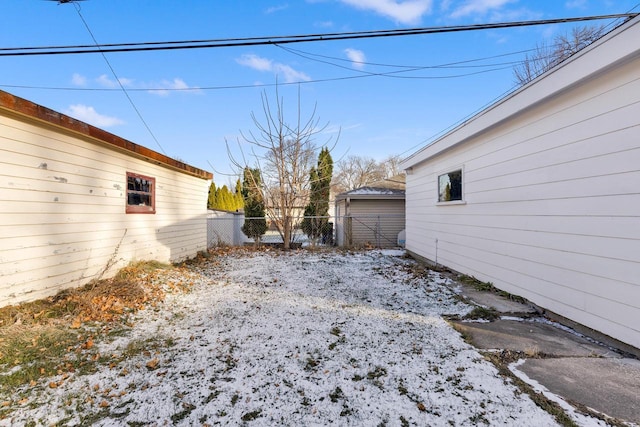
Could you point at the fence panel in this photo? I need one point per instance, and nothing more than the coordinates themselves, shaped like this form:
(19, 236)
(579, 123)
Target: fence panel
(228, 229)
(370, 230)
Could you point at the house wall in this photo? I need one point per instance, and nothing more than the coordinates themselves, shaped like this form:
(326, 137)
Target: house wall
(552, 204)
(62, 211)
(372, 222)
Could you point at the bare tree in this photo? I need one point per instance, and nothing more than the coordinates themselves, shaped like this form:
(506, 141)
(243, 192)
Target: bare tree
(359, 171)
(391, 165)
(547, 56)
(285, 153)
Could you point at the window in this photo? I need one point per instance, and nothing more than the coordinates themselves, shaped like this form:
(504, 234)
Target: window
(450, 186)
(141, 194)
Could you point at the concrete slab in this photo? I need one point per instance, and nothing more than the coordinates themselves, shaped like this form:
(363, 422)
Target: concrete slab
(610, 386)
(530, 337)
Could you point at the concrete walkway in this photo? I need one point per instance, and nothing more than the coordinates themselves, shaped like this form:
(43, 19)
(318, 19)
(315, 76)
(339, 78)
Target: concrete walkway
(576, 368)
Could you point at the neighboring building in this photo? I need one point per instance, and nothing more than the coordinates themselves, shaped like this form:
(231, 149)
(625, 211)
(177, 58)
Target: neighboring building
(372, 215)
(540, 193)
(78, 203)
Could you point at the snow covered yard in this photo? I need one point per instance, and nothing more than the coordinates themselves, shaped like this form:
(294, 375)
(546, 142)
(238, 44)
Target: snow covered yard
(298, 338)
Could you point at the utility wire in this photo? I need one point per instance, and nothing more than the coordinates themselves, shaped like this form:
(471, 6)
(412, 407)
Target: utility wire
(312, 56)
(406, 68)
(252, 86)
(135, 108)
(457, 64)
(396, 73)
(275, 40)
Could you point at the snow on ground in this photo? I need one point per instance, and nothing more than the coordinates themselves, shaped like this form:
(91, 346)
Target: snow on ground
(299, 338)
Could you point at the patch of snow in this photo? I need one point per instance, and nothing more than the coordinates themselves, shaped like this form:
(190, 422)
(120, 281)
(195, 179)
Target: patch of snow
(371, 191)
(393, 252)
(298, 338)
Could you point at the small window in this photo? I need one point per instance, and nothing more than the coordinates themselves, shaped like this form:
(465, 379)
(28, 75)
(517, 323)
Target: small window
(141, 194)
(450, 186)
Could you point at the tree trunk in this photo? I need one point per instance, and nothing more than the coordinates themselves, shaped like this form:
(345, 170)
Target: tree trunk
(287, 232)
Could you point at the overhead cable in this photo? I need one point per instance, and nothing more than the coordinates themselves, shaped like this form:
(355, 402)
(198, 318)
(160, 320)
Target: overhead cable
(275, 40)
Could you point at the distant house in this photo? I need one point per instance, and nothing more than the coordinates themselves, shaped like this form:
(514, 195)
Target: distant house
(540, 193)
(77, 203)
(372, 215)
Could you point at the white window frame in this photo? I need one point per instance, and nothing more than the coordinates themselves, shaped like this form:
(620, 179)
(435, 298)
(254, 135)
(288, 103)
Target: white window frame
(447, 171)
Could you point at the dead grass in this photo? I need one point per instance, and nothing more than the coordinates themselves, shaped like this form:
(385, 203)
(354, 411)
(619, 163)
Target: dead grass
(485, 313)
(102, 301)
(54, 336)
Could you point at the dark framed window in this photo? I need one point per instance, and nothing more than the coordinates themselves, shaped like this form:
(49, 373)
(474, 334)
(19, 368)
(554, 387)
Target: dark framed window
(450, 186)
(141, 194)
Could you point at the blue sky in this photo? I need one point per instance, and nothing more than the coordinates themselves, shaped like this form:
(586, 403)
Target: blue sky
(376, 115)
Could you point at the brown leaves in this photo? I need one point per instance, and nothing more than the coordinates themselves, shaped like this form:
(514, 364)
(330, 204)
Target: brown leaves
(87, 345)
(153, 364)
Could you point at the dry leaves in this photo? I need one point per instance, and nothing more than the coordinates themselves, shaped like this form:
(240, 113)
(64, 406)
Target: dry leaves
(153, 364)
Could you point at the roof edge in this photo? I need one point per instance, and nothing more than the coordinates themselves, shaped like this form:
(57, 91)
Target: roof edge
(23, 107)
(544, 86)
(393, 194)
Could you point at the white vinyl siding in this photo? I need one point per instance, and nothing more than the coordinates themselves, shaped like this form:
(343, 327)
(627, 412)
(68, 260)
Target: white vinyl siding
(552, 207)
(62, 212)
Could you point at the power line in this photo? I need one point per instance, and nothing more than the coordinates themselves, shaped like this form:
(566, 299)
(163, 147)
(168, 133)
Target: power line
(312, 56)
(275, 40)
(405, 69)
(457, 64)
(254, 85)
(119, 82)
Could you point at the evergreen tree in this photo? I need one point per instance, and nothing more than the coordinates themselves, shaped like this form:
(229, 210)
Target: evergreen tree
(316, 224)
(255, 224)
(224, 199)
(211, 199)
(239, 200)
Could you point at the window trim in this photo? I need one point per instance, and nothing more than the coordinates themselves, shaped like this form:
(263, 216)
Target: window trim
(141, 209)
(448, 171)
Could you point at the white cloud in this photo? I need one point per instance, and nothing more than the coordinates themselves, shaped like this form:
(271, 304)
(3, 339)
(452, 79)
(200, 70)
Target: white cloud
(274, 9)
(290, 75)
(324, 24)
(576, 4)
(106, 81)
(256, 62)
(177, 84)
(478, 7)
(90, 115)
(403, 12)
(357, 57)
(78, 79)
(259, 63)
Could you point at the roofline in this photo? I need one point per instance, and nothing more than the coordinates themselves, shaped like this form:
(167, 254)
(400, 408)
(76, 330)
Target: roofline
(548, 84)
(344, 196)
(25, 108)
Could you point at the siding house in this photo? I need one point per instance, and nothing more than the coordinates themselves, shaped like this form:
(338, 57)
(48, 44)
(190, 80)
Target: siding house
(77, 203)
(372, 215)
(540, 193)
